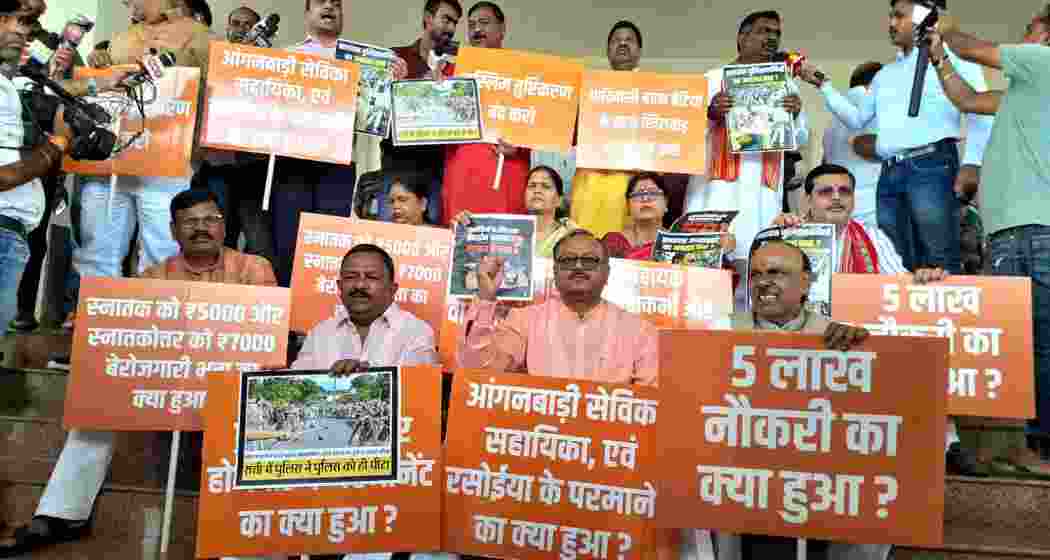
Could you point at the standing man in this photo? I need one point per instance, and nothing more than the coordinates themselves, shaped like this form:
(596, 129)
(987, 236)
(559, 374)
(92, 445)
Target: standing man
(599, 204)
(471, 169)
(1016, 197)
(838, 148)
(921, 176)
(238, 178)
(64, 511)
(748, 183)
(107, 223)
(440, 18)
(308, 186)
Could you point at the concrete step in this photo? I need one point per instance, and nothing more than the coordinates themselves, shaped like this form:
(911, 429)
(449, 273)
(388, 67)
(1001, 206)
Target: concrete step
(124, 514)
(32, 351)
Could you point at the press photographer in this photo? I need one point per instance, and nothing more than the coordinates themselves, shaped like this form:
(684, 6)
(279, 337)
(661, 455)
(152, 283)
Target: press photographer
(21, 164)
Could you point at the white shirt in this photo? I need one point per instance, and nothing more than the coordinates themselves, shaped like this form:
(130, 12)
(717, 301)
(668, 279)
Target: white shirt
(397, 338)
(24, 203)
(887, 109)
(838, 150)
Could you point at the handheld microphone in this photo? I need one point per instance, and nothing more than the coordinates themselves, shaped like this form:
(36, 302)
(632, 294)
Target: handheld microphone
(75, 30)
(924, 16)
(449, 47)
(150, 69)
(263, 32)
(795, 60)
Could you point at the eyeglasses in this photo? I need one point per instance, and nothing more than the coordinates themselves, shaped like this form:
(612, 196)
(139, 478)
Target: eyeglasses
(645, 195)
(582, 263)
(828, 192)
(193, 223)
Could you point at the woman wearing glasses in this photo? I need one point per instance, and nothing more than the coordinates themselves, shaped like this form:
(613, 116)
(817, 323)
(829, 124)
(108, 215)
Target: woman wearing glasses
(647, 204)
(544, 196)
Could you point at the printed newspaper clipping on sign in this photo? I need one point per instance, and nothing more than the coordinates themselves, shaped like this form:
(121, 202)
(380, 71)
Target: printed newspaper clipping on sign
(799, 441)
(142, 349)
(400, 515)
(272, 101)
(313, 429)
(987, 321)
(540, 468)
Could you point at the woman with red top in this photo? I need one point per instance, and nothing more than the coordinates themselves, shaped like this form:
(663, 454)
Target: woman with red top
(647, 204)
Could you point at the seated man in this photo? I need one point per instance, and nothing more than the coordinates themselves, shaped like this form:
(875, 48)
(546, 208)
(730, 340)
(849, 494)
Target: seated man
(780, 279)
(576, 334)
(65, 508)
(369, 330)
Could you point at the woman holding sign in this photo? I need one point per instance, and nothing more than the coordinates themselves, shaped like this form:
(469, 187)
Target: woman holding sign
(544, 196)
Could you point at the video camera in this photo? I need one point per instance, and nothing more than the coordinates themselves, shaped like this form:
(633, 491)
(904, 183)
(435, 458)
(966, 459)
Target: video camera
(88, 122)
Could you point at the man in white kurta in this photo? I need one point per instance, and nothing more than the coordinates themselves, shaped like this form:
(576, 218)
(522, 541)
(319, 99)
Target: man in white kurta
(757, 198)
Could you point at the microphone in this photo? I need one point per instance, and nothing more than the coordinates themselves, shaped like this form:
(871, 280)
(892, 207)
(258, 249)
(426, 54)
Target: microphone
(262, 33)
(150, 69)
(449, 47)
(924, 16)
(75, 30)
(795, 60)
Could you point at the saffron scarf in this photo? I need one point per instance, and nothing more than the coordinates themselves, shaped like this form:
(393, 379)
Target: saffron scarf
(725, 165)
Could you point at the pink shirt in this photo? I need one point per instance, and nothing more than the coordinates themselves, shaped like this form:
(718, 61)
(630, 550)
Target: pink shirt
(609, 345)
(397, 338)
(313, 46)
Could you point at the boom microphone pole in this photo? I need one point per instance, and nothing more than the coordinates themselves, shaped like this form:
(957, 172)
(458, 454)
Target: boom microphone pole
(924, 17)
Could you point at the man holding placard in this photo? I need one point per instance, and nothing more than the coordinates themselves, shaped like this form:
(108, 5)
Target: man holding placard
(750, 182)
(598, 202)
(65, 508)
(485, 178)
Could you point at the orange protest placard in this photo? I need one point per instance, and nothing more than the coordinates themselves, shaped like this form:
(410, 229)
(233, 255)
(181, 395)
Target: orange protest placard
(794, 440)
(305, 520)
(643, 121)
(164, 140)
(272, 101)
(668, 295)
(987, 321)
(142, 349)
(421, 258)
(538, 468)
(527, 99)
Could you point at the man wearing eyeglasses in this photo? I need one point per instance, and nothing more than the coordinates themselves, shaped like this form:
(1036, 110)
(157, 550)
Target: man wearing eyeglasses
(65, 508)
(198, 226)
(574, 334)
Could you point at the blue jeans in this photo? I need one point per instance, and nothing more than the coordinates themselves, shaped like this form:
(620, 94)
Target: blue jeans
(918, 210)
(14, 254)
(106, 238)
(1025, 251)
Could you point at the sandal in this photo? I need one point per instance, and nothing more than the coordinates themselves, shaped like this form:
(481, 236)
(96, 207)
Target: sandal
(29, 537)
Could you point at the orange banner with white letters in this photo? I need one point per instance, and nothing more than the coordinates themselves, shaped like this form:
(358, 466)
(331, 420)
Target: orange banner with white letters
(527, 99)
(273, 101)
(785, 437)
(987, 321)
(160, 145)
(142, 349)
(326, 520)
(421, 260)
(643, 121)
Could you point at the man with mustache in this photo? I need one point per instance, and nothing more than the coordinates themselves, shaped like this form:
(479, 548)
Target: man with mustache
(369, 330)
(422, 58)
(471, 169)
(750, 183)
(65, 508)
(598, 201)
(780, 279)
(921, 177)
(309, 186)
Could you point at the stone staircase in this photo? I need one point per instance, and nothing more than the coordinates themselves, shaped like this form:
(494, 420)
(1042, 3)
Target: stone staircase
(985, 518)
